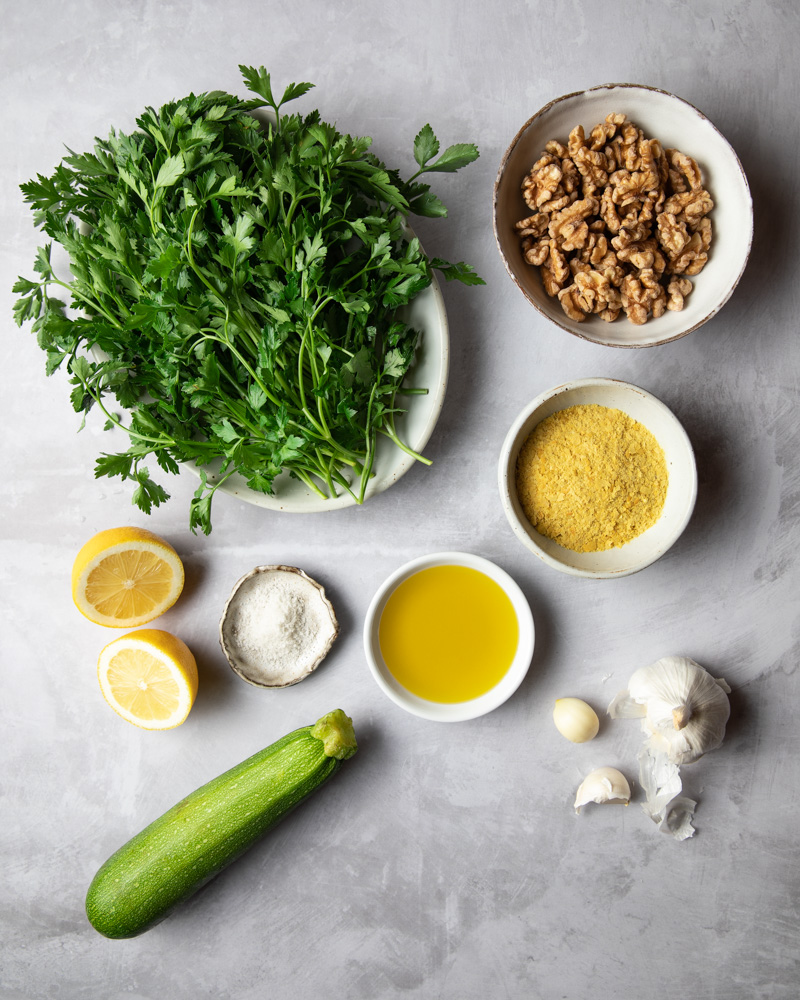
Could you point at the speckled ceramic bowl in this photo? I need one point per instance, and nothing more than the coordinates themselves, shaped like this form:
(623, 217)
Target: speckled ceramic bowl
(681, 490)
(277, 626)
(675, 123)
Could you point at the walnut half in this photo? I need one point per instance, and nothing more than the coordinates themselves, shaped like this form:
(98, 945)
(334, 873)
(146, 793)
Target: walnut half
(617, 222)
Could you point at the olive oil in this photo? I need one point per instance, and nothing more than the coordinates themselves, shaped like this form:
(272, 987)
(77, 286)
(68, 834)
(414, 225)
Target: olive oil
(448, 633)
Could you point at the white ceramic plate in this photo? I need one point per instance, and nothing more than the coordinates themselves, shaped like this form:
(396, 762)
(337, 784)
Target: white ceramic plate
(458, 711)
(681, 490)
(675, 123)
(427, 314)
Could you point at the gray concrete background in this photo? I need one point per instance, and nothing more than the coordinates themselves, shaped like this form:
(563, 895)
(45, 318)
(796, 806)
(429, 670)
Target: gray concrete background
(444, 861)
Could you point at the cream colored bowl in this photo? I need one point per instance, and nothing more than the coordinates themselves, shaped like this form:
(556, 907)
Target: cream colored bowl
(681, 490)
(676, 124)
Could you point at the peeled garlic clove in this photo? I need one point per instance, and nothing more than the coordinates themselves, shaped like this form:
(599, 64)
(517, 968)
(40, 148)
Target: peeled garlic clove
(605, 784)
(575, 720)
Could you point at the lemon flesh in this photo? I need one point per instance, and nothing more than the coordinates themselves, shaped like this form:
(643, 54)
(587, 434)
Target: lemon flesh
(149, 678)
(125, 577)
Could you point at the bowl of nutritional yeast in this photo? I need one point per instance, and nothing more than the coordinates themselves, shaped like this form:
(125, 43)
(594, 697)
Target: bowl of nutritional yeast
(623, 215)
(597, 478)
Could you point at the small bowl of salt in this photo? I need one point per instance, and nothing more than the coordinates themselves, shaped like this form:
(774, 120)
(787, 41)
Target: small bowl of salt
(277, 626)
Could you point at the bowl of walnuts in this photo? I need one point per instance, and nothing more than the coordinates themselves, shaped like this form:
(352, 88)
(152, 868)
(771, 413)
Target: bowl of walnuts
(623, 215)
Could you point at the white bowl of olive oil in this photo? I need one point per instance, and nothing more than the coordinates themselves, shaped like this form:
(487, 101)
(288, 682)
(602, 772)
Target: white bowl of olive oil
(449, 636)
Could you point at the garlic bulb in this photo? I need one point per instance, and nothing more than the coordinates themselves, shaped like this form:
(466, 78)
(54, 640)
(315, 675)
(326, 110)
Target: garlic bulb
(683, 707)
(575, 720)
(605, 784)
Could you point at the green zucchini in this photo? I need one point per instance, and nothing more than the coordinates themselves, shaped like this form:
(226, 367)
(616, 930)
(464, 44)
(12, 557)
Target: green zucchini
(179, 852)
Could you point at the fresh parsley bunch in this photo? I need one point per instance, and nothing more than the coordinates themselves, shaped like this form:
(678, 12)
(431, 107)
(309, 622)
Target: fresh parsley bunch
(234, 287)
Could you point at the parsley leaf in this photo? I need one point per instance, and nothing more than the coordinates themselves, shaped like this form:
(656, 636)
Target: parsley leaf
(426, 145)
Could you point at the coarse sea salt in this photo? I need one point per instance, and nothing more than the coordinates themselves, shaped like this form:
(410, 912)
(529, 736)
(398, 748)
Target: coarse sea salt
(277, 626)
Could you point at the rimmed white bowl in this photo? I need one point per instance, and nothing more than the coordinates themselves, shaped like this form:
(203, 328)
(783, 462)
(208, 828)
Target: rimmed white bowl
(675, 123)
(455, 711)
(679, 504)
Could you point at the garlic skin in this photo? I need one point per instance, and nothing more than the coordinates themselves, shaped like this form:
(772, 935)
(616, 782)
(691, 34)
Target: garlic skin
(684, 708)
(575, 720)
(603, 785)
(665, 803)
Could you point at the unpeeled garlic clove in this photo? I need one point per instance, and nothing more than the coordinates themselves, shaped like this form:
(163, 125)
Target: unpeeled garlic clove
(605, 784)
(575, 720)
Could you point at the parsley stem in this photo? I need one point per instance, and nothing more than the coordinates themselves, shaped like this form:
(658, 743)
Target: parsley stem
(228, 343)
(346, 456)
(89, 300)
(116, 421)
(301, 388)
(325, 471)
(307, 480)
(390, 432)
(370, 442)
(190, 255)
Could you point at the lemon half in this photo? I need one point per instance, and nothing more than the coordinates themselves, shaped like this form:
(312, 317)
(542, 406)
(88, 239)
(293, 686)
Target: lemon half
(125, 577)
(149, 677)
